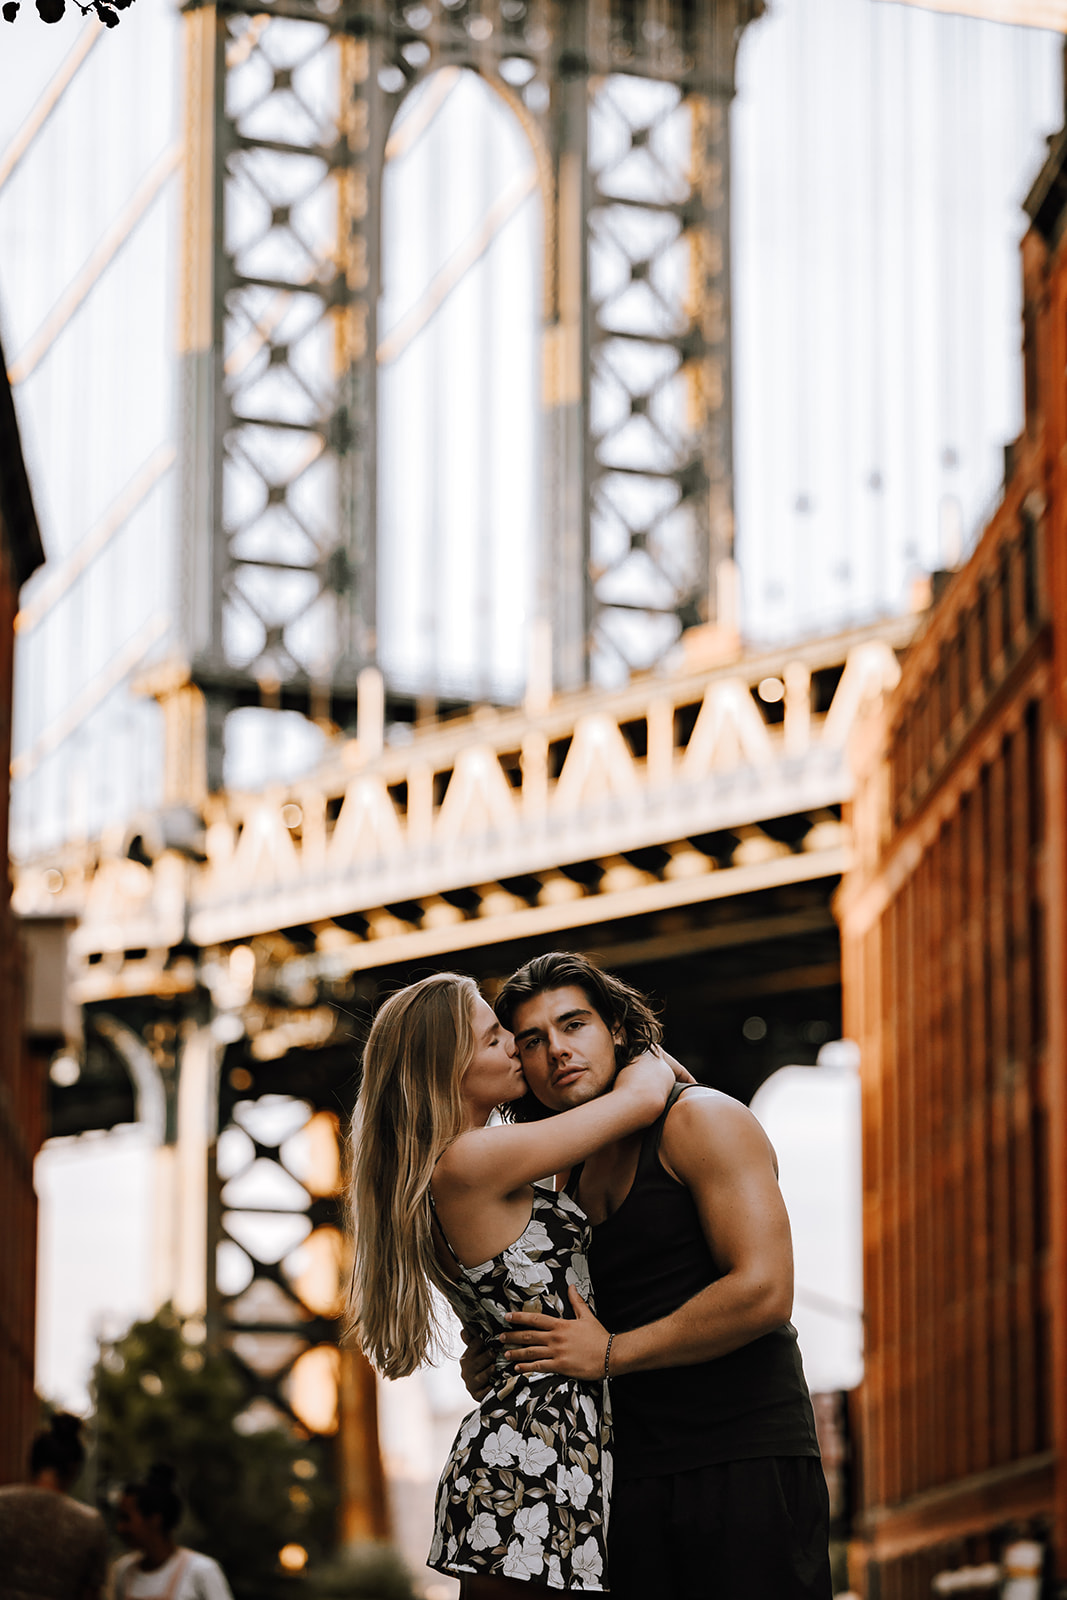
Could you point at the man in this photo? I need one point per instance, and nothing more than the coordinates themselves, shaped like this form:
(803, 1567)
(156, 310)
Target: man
(718, 1488)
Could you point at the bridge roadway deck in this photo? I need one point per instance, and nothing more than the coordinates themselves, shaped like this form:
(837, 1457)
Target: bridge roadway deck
(497, 826)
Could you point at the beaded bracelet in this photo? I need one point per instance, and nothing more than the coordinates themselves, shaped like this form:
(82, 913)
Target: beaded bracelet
(607, 1356)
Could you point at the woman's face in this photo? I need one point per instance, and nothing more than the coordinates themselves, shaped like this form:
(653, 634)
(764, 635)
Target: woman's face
(494, 1077)
(131, 1525)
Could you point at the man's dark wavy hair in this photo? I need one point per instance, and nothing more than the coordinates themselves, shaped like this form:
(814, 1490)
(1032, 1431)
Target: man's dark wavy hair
(615, 1003)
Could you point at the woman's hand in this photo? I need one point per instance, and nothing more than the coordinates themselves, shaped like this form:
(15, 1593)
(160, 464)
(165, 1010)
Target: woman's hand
(575, 1348)
(681, 1074)
(650, 1074)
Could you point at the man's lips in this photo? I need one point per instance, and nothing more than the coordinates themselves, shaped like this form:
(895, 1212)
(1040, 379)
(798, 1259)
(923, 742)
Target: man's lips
(567, 1076)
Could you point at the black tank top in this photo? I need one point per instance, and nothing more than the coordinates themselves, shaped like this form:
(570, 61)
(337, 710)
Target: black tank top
(645, 1260)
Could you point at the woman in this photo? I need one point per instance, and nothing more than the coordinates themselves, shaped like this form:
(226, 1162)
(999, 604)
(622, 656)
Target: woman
(159, 1568)
(443, 1201)
(51, 1547)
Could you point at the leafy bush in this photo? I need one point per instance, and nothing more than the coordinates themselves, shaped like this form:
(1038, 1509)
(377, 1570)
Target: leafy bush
(162, 1395)
(366, 1572)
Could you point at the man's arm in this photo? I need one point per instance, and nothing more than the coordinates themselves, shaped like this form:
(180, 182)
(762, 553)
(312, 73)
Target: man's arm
(718, 1150)
(476, 1366)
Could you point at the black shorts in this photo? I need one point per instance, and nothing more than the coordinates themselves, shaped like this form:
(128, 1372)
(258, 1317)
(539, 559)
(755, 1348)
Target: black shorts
(745, 1530)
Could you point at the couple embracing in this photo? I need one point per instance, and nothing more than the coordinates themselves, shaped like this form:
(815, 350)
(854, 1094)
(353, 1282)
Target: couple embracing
(644, 1424)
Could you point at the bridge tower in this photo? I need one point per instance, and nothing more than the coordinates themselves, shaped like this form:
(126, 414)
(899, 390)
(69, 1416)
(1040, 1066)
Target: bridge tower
(280, 437)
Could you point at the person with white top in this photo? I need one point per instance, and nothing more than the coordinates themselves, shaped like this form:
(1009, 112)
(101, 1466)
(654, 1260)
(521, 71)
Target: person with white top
(158, 1568)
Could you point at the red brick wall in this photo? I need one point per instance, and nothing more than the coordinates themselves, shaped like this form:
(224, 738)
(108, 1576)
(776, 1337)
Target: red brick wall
(954, 927)
(21, 1117)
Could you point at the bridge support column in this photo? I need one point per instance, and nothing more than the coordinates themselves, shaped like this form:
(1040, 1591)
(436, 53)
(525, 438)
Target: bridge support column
(364, 1510)
(197, 1099)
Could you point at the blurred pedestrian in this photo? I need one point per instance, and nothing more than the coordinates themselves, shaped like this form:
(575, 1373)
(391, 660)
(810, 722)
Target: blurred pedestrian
(51, 1546)
(159, 1568)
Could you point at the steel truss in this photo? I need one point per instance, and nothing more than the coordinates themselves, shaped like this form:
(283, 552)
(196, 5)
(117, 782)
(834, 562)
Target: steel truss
(290, 106)
(278, 1278)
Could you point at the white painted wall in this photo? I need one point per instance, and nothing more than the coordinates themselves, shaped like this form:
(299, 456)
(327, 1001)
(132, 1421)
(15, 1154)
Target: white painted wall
(812, 1117)
(95, 1253)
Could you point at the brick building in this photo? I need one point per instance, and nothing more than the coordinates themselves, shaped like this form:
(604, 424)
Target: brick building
(21, 1079)
(954, 927)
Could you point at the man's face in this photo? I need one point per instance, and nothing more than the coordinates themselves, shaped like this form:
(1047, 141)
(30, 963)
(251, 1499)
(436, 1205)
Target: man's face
(566, 1049)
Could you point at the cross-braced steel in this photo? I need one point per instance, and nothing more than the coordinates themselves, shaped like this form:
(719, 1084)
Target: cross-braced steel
(280, 1267)
(661, 495)
(290, 107)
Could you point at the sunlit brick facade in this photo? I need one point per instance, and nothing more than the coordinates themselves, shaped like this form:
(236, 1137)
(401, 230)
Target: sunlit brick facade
(955, 983)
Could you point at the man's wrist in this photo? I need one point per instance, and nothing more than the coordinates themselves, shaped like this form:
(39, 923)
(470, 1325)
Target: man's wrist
(621, 1349)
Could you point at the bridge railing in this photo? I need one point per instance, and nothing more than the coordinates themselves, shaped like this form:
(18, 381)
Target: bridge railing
(488, 818)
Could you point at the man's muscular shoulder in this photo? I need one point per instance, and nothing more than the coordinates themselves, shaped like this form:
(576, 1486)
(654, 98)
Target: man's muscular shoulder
(706, 1128)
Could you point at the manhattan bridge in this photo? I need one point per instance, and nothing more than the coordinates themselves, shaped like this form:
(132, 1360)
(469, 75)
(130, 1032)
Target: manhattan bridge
(448, 497)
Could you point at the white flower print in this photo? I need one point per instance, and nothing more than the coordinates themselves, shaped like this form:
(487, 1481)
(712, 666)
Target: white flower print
(573, 1487)
(531, 1522)
(578, 1274)
(586, 1562)
(468, 1428)
(537, 1238)
(525, 1273)
(501, 1449)
(526, 1481)
(483, 1532)
(523, 1560)
(535, 1456)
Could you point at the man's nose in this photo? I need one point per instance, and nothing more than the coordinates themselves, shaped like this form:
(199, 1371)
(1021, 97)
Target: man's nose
(558, 1049)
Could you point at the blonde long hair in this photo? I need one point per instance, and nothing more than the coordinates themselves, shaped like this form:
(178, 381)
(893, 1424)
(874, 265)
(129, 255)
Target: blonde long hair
(409, 1110)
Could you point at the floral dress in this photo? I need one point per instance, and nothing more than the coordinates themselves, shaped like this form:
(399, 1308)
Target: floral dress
(526, 1489)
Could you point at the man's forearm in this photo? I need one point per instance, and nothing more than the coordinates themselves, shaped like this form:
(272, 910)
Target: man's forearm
(726, 1315)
